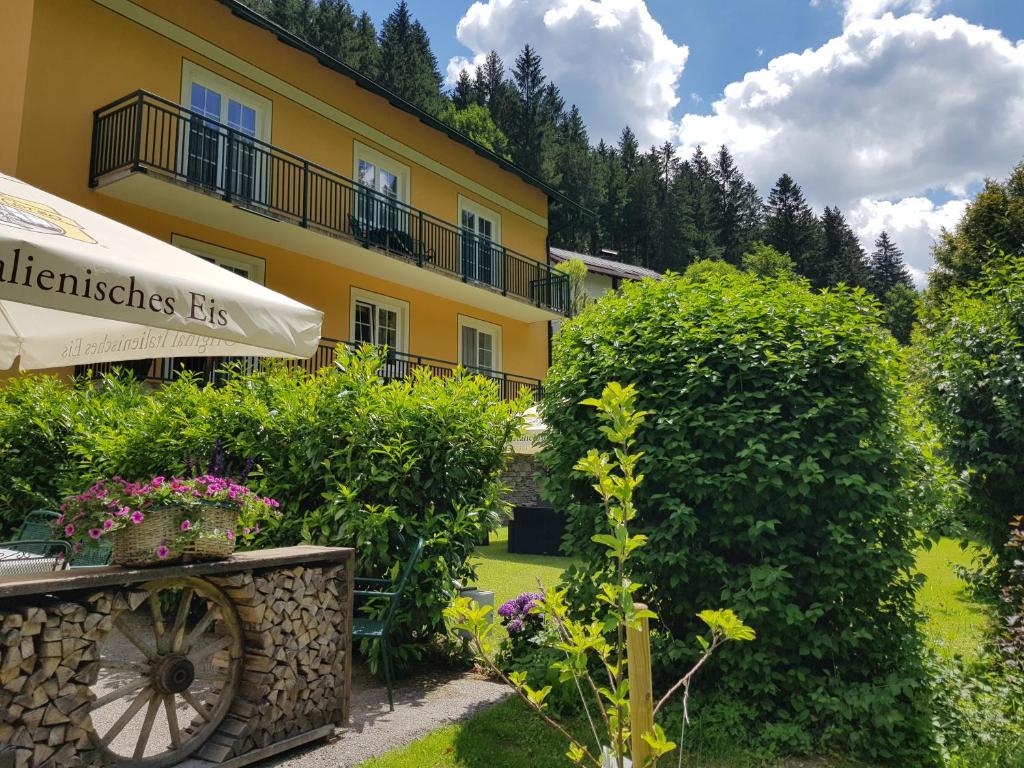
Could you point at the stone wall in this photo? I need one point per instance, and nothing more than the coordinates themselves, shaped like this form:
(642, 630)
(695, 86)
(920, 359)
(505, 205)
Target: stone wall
(521, 477)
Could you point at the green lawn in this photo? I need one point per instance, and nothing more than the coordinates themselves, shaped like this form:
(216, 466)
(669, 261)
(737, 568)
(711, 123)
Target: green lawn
(510, 575)
(509, 736)
(954, 623)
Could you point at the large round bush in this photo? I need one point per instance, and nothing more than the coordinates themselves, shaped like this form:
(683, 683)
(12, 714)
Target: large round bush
(773, 464)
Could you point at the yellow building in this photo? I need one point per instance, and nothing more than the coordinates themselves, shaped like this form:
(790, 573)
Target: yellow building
(203, 124)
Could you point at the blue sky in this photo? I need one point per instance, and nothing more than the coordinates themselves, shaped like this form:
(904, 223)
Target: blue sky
(895, 110)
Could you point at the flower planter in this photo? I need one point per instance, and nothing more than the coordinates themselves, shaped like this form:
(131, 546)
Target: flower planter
(157, 539)
(164, 521)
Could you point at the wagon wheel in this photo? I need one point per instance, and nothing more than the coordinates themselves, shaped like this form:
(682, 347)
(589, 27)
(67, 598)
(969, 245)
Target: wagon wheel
(182, 671)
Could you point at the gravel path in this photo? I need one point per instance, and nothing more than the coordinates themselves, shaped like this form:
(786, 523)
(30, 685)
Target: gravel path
(422, 704)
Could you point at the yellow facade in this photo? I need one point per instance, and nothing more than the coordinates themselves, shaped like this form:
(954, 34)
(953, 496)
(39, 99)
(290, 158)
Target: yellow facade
(67, 58)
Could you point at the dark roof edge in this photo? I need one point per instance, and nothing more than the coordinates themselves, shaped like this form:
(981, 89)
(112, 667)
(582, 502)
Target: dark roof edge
(288, 38)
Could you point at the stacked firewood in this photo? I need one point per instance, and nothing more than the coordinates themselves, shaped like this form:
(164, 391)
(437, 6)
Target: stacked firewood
(48, 661)
(296, 676)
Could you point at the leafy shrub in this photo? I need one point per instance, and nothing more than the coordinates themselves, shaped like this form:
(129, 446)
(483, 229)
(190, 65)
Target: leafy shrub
(1011, 641)
(980, 714)
(36, 417)
(972, 357)
(774, 465)
(352, 461)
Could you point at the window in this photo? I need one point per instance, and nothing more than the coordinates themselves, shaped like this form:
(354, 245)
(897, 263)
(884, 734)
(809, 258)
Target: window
(249, 267)
(479, 345)
(386, 182)
(481, 243)
(242, 264)
(379, 320)
(210, 149)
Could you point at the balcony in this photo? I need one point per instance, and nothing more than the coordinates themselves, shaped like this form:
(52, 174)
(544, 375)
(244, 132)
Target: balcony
(397, 366)
(141, 142)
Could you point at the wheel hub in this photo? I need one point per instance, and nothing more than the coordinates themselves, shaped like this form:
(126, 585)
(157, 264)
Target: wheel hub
(173, 673)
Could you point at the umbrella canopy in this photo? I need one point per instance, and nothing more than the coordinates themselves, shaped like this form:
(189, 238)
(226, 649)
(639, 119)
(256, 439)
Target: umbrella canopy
(77, 287)
(533, 433)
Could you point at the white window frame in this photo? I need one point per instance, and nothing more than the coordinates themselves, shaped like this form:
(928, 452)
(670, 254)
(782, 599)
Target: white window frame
(256, 266)
(263, 107)
(466, 204)
(401, 308)
(490, 328)
(388, 163)
(473, 271)
(193, 73)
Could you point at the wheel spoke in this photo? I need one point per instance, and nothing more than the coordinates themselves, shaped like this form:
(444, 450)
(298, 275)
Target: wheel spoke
(121, 691)
(197, 630)
(132, 638)
(196, 705)
(159, 633)
(172, 720)
(210, 648)
(125, 718)
(178, 628)
(147, 727)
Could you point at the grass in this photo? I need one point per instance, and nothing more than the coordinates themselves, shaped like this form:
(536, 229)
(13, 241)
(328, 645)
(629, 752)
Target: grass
(508, 735)
(955, 624)
(510, 575)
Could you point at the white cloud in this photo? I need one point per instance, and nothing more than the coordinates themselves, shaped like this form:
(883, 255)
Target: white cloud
(857, 10)
(914, 223)
(890, 108)
(609, 57)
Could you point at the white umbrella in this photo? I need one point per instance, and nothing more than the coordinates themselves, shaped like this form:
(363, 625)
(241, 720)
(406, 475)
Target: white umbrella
(77, 287)
(533, 433)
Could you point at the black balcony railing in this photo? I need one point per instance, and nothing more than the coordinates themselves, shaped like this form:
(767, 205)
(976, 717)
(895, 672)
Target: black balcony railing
(396, 366)
(142, 132)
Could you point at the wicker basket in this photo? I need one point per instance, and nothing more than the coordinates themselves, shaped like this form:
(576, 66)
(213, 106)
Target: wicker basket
(137, 545)
(218, 521)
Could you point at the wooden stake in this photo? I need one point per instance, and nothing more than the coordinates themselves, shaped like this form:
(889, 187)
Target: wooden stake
(641, 696)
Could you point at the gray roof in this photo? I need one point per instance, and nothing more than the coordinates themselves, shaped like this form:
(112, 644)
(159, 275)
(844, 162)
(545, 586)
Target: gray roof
(604, 266)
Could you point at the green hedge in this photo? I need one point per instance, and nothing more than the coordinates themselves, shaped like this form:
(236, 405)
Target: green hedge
(354, 462)
(774, 465)
(972, 359)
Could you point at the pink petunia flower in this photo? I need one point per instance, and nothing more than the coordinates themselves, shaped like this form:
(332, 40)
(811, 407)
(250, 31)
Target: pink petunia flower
(108, 524)
(186, 524)
(137, 517)
(69, 530)
(95, 533)
(231, 535)
(162, 551)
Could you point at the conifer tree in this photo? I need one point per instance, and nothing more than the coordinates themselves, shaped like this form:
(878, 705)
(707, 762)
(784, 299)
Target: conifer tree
(791, 227)
(841, 259)
(887, 267)
(704, 213)
(463, 93)
(333, 29)
(739, 208)
(364, 52)
(575, 176)
(408, 66)
(534, 113)
(629, 150)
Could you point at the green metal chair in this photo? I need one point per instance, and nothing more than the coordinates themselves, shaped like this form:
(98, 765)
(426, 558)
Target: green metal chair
(38, 526)
(380, 628)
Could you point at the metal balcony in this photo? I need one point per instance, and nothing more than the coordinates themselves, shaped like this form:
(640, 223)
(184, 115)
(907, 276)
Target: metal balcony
(143, 133)
(396, 366)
